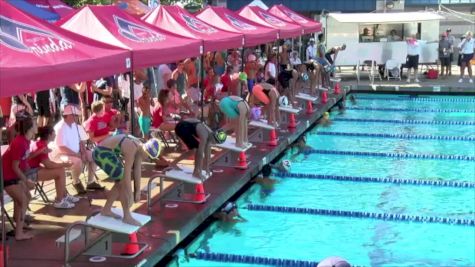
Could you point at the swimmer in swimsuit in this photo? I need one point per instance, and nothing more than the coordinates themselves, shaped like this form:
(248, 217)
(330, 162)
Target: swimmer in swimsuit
(120, 156)
(237, 110)
(266, 94)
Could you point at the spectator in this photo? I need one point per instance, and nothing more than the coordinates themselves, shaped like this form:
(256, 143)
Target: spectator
(5, 106)
(181, 78)
(393, 37)
(467, 49)
(160, 119)
(191, 74)
(251, 69)
(43, 106)
(311, 50)
(97, 126)
(451, 40)
(444, 54)
(18, 177)
(144, 104)
(164, 74)
(176, 104)
(209, 84)
(219, 64)
(20, 104)
(70, 141)
(413, 52)
(103, 87)
(270, 69)
(226, 79)
(49, 170)
(70, 94)
(111, 115)
(295, 59)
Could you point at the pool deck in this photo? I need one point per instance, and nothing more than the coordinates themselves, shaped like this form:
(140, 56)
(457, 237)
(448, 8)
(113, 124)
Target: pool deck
(170, 226)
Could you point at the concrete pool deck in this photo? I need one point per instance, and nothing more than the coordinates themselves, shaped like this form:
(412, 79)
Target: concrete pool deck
(170, 226)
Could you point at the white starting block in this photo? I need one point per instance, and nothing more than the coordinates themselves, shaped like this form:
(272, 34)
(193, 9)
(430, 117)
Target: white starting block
(230, 144)
(236, 157)
(323, 89)
(290, 109)
(183, 176)
(335, 79)
(306, 97)
(261, 124)
(113, 229)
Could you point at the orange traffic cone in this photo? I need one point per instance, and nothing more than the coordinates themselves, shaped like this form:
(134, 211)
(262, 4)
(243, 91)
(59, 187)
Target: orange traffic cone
(292, 123)
(309, 107)
(273, 138)
(132, 247)
(337, 88)
(242, 160)
(324, 97)
(200, 195)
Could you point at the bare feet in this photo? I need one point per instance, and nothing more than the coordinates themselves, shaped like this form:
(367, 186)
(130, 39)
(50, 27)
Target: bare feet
(137, 196)
(131, 221)
(109, 213)
(23, 236)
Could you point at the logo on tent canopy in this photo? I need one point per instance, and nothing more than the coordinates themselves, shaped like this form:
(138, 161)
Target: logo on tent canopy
(136, 32)
(295, 17)
(272, 20)
(239, 23)
(28, 39)
(197, 25)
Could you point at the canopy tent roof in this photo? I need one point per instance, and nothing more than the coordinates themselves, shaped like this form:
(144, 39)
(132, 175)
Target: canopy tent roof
(264, 18)
(178, 20)
(289, 15)
(37, 55)
(149, 45)
(53, 6)
(34, 11)
(225, 19)
(398, 17)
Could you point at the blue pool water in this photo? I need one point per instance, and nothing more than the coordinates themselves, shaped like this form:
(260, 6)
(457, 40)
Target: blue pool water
(364, 241)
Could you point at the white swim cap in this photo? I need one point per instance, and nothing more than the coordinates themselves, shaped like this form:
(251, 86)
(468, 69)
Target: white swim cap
(286, 164)
(283, 101)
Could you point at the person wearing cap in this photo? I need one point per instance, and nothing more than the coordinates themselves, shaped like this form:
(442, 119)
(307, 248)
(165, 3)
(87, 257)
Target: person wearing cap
(311, 52)
(295, 59)
(265, 181)
(195, 134)
(120, 157)
(334, 261)
(70, 141)
(229, 213)
(467, 50)
(444, 54)
(451, 40)
(270, 70)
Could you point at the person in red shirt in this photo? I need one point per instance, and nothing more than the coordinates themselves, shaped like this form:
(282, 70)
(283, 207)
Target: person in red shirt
(226, 79)
(111, 115)
(54, 170)
(97, 126)
(160, 119)
(209, 85)
(16, 173)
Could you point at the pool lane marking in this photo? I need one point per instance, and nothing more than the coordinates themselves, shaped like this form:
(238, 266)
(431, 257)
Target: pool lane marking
(363, 214)
(436, 183)
(418, 99)
(401, 136)
(434, 110)
(245, 259)
(389, 155)
(435, 122)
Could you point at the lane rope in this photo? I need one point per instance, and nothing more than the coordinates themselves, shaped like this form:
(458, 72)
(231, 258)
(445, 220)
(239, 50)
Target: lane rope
(408, 121)
(406, 181)
(363, 214)
(245, 259)
(389, 155)
(435, 110)
(401, 136)
(418, 99)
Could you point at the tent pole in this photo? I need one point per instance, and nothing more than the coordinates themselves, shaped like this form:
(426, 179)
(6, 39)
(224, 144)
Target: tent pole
(200, 83)
(300, 48)
(242, 70)
(132, 102)
(4, 236)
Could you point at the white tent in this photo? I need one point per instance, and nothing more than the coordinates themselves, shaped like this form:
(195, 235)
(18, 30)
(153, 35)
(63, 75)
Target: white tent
(259, 3)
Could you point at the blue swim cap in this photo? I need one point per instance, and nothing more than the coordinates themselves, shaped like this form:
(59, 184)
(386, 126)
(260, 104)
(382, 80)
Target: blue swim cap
(152, 148)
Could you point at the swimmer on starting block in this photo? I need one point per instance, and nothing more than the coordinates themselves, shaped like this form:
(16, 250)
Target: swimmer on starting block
(197, 135)
(266, 94)
(237, 110)
(120, 156)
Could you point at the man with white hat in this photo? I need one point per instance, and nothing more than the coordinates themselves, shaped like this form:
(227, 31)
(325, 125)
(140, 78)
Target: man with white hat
(311, 50)
(70, 144)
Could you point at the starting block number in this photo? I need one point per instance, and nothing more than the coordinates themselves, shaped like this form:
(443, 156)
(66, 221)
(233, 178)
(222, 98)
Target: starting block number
(436, 89)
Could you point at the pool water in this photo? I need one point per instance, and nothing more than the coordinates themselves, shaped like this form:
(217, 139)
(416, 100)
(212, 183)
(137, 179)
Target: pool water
(364, 241)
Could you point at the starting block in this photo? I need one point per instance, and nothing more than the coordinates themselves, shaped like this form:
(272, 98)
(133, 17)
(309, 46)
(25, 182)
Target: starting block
(113, 231)
(290, 120)
(306, 97)
(261, 124)
(183, 177)
(259, 136)
(290, 109)
(236, 157)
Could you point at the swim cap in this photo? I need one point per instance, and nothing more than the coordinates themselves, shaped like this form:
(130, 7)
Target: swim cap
(256, 113)
(152, 148)
(283, 101)
(326, 114)
(220, 136)
(243, 76)
(229, 207)
(305, 76)
(286, 164)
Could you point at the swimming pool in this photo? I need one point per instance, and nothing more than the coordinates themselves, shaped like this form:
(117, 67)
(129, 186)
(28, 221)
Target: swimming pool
(340, 210)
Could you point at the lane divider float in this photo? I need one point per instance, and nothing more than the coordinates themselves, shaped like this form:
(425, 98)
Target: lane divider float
(418, 99)
(435, 122)
(435, 110)
(245, 259)
(401, 136)
(389, 155)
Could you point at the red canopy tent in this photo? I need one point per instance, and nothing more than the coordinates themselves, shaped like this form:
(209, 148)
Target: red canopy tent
(289, 15)
(178, 20)
(55, 6)
(149, 45)
(37, 55)
(226, 20)
(264, 18)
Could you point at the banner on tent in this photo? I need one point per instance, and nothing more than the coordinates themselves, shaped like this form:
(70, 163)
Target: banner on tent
(136, 32)
(239, 23)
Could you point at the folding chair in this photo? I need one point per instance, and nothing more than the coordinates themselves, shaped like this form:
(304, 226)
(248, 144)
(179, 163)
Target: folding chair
(373, 71)
(392, 67)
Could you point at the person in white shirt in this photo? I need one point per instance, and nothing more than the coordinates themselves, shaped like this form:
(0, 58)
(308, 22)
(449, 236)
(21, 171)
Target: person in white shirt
(294, 59)
(311, 50)
(164, 74)
(270, 70)
(70, 143)
(413, 52)
(467, 49)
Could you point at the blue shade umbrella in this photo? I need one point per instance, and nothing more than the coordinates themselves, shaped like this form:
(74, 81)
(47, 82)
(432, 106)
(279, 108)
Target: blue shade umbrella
(35, 11)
